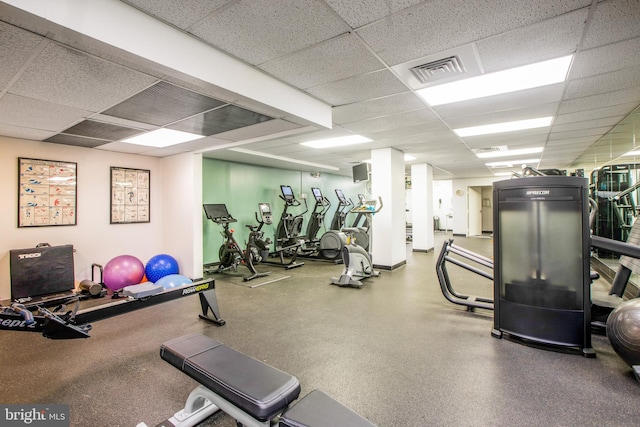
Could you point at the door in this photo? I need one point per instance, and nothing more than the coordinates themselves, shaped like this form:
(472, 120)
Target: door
(474, 212)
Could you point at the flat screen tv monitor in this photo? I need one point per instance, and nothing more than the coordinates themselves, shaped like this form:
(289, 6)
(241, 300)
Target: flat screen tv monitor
(361, 172)
(317, 194)
(287, 192)
(341, 197)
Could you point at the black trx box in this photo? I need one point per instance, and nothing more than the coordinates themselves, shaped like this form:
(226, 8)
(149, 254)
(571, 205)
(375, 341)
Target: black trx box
(41, 271)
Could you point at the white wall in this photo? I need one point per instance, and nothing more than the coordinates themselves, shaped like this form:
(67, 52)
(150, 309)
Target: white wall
(182, 211)
(460, 202)
(95, 240)
(442, 203)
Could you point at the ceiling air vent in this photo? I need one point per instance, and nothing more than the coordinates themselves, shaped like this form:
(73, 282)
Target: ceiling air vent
(435, 70)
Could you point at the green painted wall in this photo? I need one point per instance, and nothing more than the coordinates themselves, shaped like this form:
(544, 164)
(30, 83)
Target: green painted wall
(241, 187)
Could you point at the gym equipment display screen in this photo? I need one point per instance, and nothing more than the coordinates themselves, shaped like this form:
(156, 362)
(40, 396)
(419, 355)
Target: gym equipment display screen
(317, 194)
(287, 192)
(341, 196)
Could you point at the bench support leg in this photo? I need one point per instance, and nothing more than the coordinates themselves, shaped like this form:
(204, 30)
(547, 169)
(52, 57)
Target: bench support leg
(202, 403)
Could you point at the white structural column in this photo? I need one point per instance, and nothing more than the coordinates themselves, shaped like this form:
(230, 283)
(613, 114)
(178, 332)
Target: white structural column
(422, 207)
(389, 225)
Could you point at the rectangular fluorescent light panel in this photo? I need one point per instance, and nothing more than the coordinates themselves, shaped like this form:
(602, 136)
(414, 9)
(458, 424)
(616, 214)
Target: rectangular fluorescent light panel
(336, 142)
(520, 78)
(504, 127)
(511, 163)
(160, 138)
(507, 153)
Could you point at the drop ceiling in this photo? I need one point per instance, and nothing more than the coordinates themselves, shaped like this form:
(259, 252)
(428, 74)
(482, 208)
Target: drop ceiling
(69, 84)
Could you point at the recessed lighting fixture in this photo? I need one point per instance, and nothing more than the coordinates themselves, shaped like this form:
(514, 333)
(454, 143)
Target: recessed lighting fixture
(526, 77)
(160, 138)
(504, 127)
(507, 153)
(511, 163)
(337, 141)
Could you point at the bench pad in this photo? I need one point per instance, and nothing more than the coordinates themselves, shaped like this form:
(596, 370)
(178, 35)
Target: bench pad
(317, 409)
(253, 386)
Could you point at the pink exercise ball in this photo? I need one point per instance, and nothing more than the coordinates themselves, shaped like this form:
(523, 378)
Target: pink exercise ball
(121, 271)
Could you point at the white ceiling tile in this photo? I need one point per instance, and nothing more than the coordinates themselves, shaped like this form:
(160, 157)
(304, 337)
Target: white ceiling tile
(246, 28)
(360, 88)
(594, 114)
(335, 59)
(433, 129)
(439, 25)
(626, 16)
(596, 132)
(182, 14)
(548, 39)
(587, 124)
(27, 112)
(16, 46)
(24, 132)
(395, 121)
(362, 12)
(621, 97)
(64, 76)
(605, 59)
(607, 82)
(377, 108)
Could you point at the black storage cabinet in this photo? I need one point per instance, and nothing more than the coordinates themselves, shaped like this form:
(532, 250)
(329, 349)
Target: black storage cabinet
(541, 261)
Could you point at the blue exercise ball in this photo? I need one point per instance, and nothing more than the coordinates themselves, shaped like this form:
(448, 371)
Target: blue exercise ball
(159, 266)
(173, 281)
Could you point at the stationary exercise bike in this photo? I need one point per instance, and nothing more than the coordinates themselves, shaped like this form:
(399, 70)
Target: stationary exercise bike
(356, 259)
(230, 253)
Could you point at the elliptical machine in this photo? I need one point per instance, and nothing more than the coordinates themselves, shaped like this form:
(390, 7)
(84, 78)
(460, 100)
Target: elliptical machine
(332, 241)
(357, 261)
(230, 254)
(312, 247)
(288, 241)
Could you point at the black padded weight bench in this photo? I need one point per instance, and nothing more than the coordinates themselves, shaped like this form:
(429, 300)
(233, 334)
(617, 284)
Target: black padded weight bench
(250, 391)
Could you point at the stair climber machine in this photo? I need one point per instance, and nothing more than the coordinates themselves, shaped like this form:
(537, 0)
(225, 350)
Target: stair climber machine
(287, 240)
(332, 241)
(357, 260)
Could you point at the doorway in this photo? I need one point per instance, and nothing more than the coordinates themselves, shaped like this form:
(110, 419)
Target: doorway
(480, 210)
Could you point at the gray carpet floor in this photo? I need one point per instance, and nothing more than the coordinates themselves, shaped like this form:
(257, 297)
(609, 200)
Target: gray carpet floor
(394, 351)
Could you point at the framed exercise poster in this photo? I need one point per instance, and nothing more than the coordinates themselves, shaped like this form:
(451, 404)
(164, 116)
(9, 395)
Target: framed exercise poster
(130, 190)
(46, 192)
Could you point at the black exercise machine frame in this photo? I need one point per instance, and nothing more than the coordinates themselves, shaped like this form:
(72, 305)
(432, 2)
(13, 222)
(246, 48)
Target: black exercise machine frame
(471, 301)
(76, 323)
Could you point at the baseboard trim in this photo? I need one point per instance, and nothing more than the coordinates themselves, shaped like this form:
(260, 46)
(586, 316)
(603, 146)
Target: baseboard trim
(390, 268)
